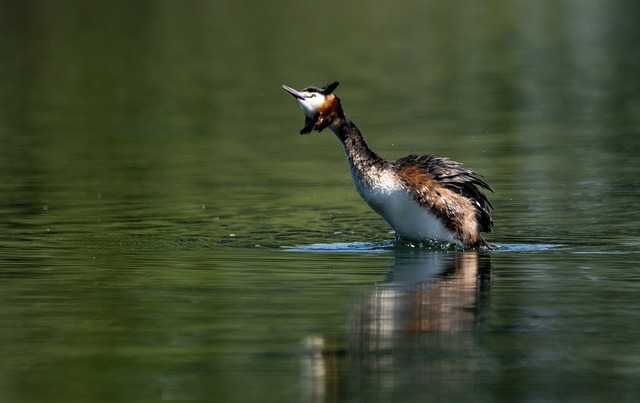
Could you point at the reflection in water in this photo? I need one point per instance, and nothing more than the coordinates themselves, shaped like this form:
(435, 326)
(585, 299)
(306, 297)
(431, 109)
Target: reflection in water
(426, 312)
(429, 291)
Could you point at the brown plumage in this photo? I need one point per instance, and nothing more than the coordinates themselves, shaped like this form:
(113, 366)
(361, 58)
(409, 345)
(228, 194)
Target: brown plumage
(451, 191)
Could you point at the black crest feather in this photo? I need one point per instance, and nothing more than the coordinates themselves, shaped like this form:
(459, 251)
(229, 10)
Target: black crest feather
(330, 88)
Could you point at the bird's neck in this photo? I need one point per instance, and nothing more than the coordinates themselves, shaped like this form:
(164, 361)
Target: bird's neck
(358, 152)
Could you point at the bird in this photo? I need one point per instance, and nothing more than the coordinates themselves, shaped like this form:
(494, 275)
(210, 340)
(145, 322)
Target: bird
(425, 199)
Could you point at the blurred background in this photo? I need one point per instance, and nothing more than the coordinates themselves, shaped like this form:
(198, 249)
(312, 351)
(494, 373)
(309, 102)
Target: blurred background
(152, 178)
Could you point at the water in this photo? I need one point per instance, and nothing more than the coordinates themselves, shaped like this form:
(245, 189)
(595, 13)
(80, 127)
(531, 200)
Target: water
(167, 235)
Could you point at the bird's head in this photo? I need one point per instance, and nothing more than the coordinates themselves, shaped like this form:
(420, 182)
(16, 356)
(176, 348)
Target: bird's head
(320, 106)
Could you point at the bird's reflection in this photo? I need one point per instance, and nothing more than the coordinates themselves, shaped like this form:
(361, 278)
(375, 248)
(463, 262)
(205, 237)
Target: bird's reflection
(425, 291)
(431, 303)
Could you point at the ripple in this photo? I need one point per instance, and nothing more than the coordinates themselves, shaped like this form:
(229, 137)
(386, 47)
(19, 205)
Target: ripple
(518, 247)
(386, 246)
(343, 247)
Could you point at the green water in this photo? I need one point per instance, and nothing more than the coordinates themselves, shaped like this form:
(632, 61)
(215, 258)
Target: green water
(167, 235)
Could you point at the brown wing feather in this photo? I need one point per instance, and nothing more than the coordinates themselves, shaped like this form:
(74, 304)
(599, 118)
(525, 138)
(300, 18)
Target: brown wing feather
(458, 178)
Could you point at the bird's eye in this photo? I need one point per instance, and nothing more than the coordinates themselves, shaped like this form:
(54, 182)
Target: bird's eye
(312, 96)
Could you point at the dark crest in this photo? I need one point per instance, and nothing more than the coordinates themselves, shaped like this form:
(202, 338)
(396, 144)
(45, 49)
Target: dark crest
(328, 89)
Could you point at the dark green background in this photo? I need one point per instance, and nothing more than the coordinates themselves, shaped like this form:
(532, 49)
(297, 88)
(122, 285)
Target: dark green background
(153, 182)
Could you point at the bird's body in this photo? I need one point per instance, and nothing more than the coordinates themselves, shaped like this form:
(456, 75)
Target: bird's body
(423, 198)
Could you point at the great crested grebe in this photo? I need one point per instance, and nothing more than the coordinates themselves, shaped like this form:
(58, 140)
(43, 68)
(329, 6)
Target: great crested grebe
(423, 198)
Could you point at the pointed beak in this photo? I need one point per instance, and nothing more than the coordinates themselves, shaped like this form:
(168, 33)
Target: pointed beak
(293, 92)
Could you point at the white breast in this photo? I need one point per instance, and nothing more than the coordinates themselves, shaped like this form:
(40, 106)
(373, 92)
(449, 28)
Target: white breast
(384, 193)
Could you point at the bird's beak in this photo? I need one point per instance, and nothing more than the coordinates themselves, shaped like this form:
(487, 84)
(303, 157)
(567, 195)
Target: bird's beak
(296, 94)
